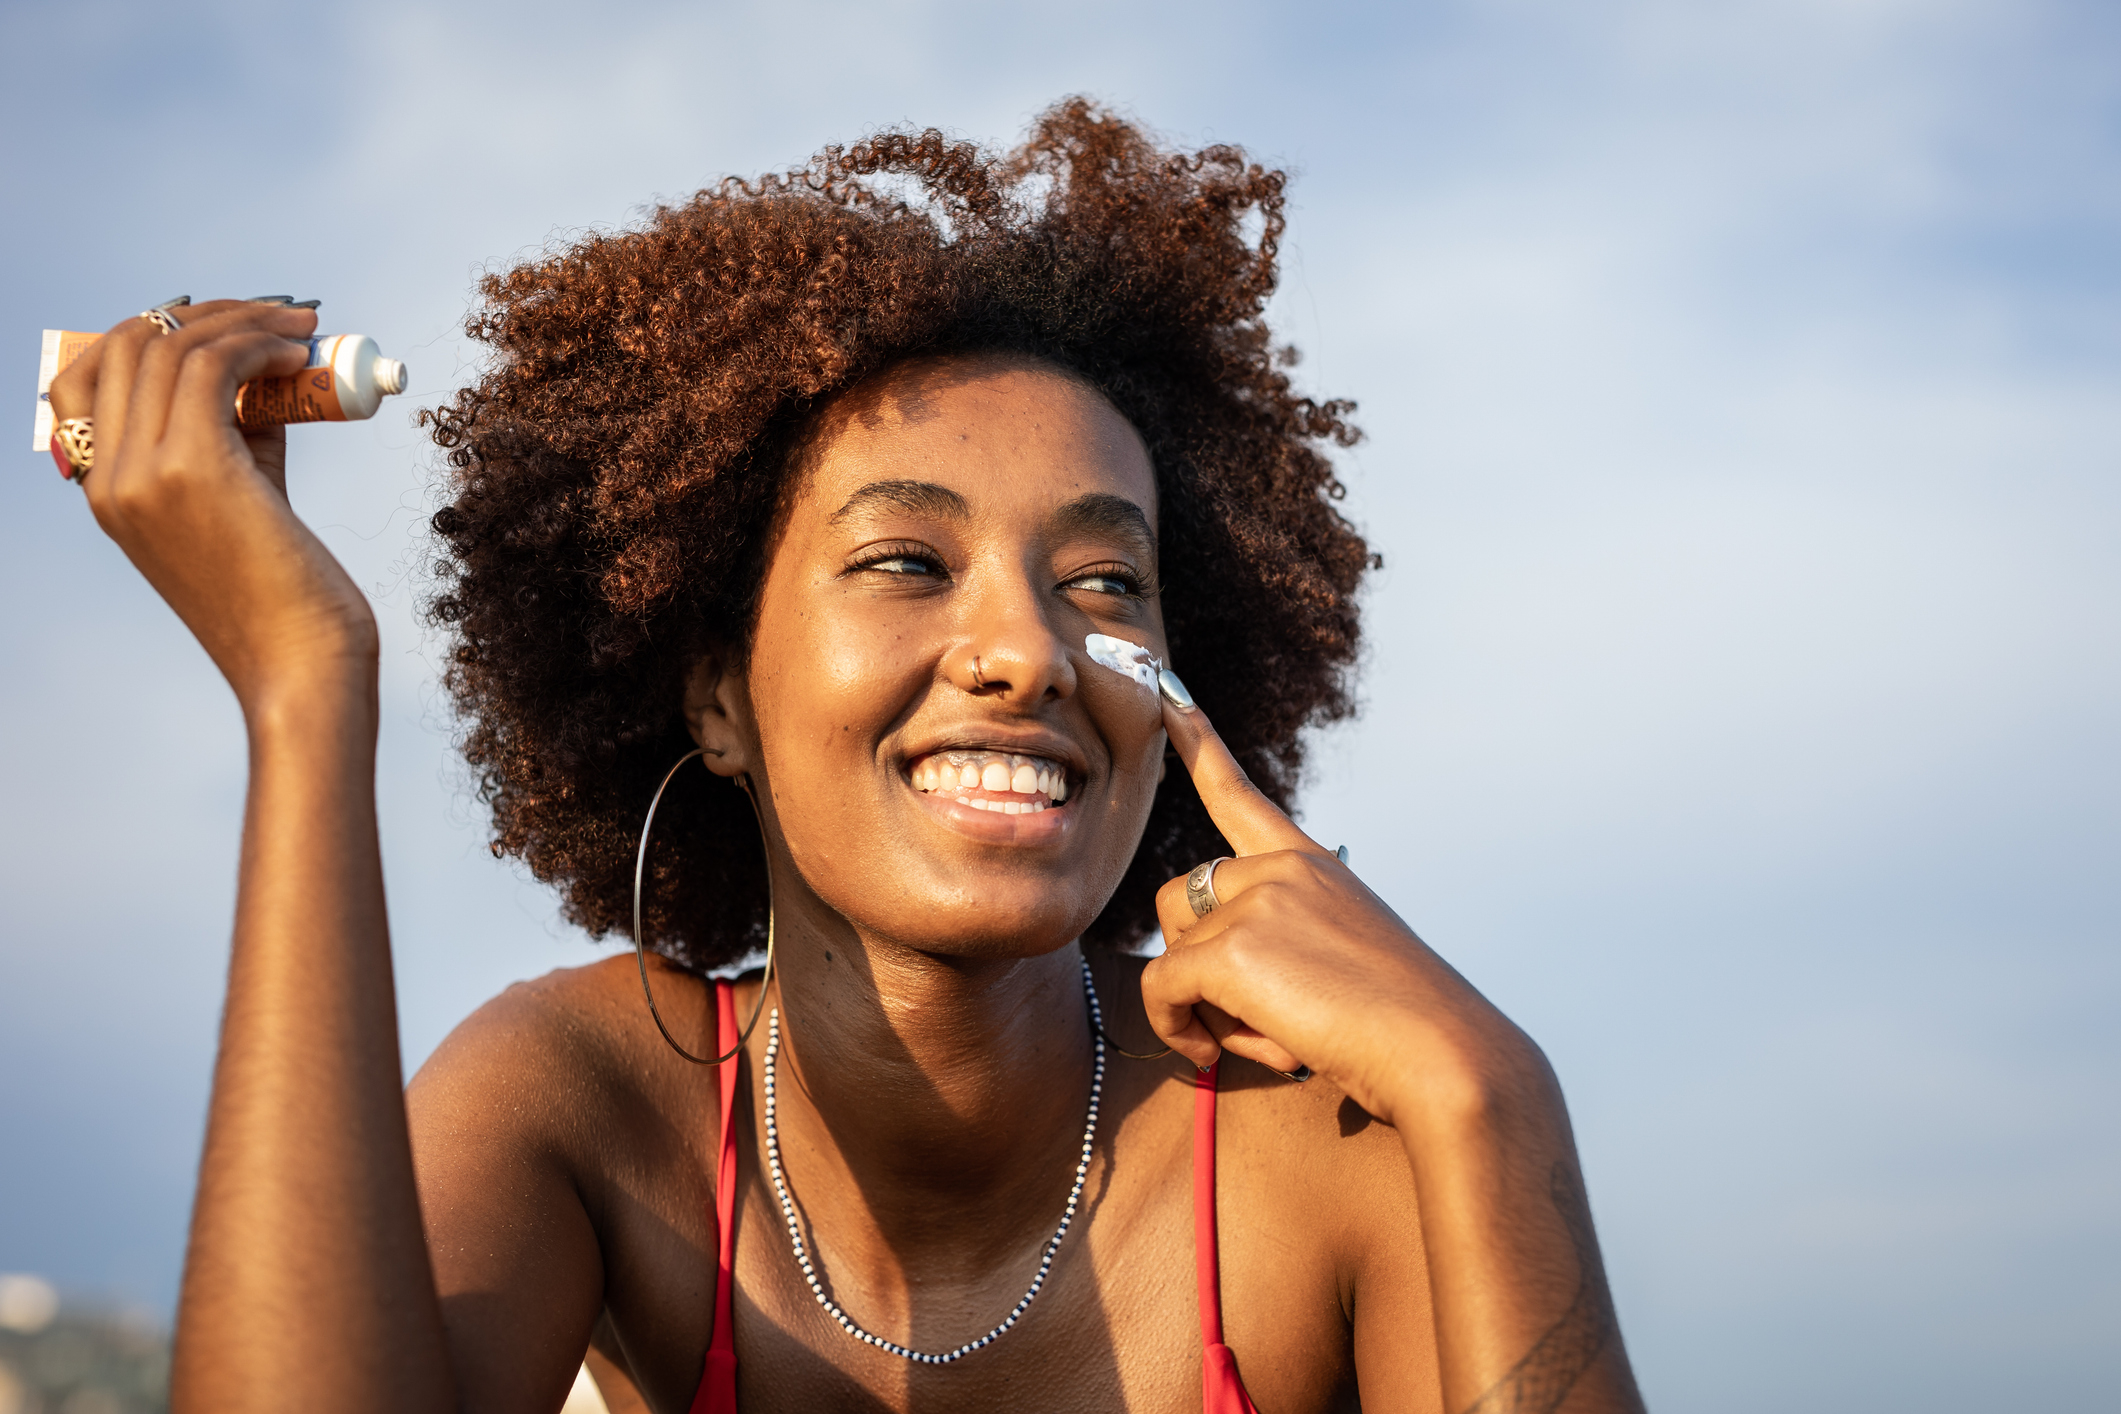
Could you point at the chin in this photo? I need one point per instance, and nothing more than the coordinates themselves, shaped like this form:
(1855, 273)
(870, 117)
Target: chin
(954, 928)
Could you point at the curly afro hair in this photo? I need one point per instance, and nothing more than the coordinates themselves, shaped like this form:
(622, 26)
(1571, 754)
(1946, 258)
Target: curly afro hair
(617, 469)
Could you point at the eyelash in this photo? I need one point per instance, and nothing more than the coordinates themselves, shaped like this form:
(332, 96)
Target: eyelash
(879, 556)
(1134, 588)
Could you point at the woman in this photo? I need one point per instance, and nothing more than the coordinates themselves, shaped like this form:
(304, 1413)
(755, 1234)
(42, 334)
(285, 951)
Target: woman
(890, 511)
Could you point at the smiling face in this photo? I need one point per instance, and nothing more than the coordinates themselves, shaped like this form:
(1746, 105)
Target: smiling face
(940, 760)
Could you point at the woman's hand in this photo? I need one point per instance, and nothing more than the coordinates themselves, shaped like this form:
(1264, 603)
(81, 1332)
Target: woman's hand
(201, 509)
(1302, 965)
(1299, 963)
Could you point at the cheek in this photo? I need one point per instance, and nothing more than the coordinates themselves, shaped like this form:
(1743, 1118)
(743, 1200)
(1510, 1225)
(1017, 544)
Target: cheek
(1131, 720)
(826, 684)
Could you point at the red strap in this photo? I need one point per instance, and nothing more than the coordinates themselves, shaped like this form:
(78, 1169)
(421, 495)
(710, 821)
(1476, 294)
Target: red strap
(1221, 1391)
(717, 1391)
(1204, 1263)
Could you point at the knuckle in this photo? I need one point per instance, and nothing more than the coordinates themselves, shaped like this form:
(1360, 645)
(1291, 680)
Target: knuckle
(1172, 894)
(128, 497)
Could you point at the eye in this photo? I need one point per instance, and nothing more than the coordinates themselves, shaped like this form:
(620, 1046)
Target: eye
(906, 561)
(903, 564)
(1114, 581)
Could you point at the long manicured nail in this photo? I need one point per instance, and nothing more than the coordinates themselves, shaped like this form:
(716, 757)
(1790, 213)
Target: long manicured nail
(304, 303)
(178, 303)
(1175, 691)
(271, 299)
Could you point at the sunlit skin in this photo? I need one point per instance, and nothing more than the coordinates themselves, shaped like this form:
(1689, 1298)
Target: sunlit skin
(958, 526)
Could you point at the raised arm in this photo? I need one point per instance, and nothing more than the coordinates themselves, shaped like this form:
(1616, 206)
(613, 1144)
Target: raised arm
(1299, 963)
(308, 1283)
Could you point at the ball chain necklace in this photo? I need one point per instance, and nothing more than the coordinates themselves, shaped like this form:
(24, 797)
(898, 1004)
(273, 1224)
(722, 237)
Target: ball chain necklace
(1045, 1261)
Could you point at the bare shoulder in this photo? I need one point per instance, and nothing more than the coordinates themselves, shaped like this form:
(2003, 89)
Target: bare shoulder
(1307, 1138)
(570, 1045)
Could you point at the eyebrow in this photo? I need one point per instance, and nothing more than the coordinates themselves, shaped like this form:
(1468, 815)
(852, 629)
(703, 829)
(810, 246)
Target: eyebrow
(1103, 513)
(1097, 513)
(914, 497)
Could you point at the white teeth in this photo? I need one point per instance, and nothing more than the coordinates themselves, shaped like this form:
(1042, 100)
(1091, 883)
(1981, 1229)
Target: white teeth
(950, 772)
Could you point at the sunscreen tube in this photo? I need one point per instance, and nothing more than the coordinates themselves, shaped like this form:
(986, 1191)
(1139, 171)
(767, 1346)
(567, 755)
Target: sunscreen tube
(346, 380)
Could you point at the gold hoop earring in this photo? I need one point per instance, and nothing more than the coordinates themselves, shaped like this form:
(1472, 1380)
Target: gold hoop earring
(640, 952)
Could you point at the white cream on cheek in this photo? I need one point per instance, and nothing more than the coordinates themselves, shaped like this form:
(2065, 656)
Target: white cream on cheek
(1129, 660)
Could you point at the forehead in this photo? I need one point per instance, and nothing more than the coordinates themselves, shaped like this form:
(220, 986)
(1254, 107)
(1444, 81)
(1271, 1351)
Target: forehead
(1012, 437)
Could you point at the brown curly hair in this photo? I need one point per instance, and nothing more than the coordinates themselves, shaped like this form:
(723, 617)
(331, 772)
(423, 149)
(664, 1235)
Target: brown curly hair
(617, 469)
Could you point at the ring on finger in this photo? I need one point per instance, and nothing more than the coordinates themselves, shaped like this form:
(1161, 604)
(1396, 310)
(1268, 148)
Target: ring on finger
(162, 319)
(74, 447)
(1200, 888)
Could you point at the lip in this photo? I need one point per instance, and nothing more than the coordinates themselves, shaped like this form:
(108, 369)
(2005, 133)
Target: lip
(1047, 827)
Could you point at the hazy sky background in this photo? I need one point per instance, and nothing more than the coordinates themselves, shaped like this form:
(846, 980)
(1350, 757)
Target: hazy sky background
(1742, 687)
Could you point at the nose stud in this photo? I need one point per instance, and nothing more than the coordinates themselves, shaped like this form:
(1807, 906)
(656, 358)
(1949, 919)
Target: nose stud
(978, 679)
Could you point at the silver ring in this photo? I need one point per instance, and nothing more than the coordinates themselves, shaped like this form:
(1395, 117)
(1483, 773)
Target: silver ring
(1200, 888)
(162, 319)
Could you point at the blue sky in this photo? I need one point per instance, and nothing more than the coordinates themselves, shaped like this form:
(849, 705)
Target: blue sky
(1742, 685)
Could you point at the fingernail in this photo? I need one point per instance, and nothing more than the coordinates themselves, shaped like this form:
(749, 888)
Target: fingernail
(178, 303)
(1175, 691)
(272, 299)
(304, 303)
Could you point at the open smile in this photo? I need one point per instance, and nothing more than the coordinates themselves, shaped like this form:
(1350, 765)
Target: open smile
(1000, 796)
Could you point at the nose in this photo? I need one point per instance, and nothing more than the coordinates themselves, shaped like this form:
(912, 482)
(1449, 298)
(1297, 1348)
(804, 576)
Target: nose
(1011, 651)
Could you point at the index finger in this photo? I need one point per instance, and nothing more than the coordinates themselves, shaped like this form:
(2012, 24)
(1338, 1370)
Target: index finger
(1251, 823)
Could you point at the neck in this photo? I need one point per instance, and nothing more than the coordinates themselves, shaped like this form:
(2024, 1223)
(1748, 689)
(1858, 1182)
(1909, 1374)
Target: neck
(951, 1091)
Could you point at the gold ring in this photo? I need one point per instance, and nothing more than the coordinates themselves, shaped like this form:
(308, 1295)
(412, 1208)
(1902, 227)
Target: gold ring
(74, 446)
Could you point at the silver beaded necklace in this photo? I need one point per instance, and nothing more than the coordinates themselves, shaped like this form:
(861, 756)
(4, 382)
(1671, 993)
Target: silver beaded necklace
(1045, 1261)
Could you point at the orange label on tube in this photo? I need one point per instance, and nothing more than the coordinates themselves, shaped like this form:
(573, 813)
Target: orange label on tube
(309, 396)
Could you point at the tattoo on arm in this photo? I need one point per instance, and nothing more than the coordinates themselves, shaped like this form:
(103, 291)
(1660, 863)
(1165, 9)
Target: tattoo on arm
(1539, 1382)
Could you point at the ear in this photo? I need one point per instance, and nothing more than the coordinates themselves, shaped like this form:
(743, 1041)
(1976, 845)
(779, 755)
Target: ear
(718, 713)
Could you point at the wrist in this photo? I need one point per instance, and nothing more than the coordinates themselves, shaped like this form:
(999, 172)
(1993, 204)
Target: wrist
(330, 693)
(1483, 1090)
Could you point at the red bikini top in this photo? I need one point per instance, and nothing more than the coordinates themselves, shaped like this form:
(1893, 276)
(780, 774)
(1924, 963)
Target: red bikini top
(1222, 1392)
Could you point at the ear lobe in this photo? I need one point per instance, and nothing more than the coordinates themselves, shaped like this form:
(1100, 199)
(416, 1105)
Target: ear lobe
(716, 714)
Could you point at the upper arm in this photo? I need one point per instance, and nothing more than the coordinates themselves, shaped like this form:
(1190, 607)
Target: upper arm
(1394, 1316)
(515, 1255)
